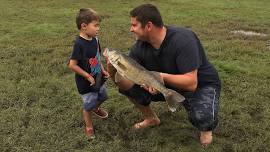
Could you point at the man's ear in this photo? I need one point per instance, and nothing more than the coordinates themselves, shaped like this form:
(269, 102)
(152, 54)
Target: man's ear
(149, 26)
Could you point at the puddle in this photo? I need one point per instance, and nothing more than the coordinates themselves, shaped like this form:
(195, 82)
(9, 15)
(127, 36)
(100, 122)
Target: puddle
(248, 33)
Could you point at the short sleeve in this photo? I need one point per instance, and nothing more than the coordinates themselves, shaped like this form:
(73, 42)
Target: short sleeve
(134, 54)
(76, 53)
(189, 58)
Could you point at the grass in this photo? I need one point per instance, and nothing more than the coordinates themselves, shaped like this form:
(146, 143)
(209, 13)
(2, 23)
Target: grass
(41, 109)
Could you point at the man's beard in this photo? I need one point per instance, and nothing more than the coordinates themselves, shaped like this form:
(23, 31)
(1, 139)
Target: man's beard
(141, 38)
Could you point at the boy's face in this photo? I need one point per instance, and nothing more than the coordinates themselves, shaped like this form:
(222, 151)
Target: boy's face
(91, 29)
(136, 28)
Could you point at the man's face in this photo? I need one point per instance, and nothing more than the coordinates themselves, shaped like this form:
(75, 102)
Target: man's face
(136, 28)
(91, 29)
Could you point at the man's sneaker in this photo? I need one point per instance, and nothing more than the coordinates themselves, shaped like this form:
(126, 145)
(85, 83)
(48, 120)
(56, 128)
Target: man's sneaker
(101, 113)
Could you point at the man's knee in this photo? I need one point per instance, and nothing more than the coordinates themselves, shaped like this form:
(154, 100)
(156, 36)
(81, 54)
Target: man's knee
(138, 95)
(124, 84)
(203, 121)
(121, 82)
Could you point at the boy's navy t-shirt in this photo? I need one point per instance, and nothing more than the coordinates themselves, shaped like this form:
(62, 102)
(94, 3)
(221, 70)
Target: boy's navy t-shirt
(87, 53)
(180, 52)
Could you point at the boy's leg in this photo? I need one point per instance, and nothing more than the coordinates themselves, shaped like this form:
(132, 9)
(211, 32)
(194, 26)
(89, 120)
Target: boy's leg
(202, 107)
(89, 104)
(102, 96)
(89, 129)
(87, 118)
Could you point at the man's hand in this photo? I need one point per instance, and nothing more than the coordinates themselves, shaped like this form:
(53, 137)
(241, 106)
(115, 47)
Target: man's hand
(151, 90)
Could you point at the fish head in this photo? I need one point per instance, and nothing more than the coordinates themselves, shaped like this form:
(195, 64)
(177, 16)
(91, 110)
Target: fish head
(106, 52)
(111, 55)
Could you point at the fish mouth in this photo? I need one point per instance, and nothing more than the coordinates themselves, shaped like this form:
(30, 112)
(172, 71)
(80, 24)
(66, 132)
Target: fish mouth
(108, 49)
(108, 53)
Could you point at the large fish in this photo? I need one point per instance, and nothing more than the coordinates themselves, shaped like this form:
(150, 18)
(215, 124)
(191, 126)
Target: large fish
(130, 69)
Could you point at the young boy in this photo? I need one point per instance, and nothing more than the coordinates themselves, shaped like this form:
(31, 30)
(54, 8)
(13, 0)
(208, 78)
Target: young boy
(85, 62)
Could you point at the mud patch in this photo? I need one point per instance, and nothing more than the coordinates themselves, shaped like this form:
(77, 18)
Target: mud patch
(247, 33)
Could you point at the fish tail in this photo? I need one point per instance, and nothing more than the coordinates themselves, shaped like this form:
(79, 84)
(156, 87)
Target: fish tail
(173, 99)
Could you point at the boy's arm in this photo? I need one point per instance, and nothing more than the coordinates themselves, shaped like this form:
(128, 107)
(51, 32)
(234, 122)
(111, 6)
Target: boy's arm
(102, 68)
(73, 65)
(106, 74)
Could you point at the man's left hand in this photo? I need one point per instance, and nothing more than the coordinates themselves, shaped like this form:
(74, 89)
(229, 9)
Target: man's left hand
(151, 90)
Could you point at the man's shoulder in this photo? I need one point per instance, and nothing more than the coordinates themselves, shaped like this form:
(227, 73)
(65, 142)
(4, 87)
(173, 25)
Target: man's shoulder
(180, 35)
(180, 32)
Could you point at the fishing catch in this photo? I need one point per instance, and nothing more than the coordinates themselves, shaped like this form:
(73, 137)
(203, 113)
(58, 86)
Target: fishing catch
(130, 69)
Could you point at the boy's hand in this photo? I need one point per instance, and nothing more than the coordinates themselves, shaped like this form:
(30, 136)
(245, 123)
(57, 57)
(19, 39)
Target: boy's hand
(91, 80)
(106, 74)
(105, 55)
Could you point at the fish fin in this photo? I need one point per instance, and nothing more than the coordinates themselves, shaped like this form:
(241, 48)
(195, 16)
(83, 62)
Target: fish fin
(173, 99)
(117, 77)
(157, 76)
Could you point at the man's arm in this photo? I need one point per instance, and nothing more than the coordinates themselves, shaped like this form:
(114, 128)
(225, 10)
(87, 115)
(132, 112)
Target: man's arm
(187, 81)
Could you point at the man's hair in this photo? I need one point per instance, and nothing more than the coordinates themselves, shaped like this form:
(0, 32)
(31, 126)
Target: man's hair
(145, 13)
(86, 15)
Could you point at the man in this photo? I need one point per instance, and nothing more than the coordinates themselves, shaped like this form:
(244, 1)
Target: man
(180, 58)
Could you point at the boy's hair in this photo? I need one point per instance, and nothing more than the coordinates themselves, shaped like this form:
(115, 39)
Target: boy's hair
(147, 12)
(86, 15)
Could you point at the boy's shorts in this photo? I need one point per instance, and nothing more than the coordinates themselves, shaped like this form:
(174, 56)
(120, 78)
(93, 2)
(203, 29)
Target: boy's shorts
(202, 105)
(92, 99)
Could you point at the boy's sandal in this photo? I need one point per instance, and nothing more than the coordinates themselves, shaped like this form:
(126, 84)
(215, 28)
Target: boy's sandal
(101, 113)
(89, 131)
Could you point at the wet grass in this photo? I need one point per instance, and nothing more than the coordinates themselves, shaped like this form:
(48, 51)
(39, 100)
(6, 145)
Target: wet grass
(41, 109)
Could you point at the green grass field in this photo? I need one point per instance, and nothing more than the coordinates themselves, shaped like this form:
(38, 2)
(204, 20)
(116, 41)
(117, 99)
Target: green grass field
(40, 109)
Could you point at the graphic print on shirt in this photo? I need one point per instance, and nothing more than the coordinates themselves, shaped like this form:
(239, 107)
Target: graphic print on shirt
(95, 64)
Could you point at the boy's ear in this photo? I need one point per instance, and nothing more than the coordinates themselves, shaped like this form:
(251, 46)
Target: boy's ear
(83, 25)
